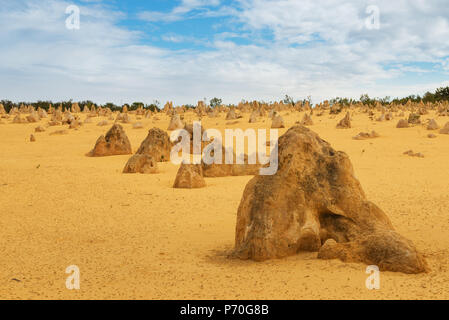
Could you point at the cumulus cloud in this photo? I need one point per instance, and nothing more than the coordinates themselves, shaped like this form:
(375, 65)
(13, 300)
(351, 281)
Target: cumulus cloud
(318, 48)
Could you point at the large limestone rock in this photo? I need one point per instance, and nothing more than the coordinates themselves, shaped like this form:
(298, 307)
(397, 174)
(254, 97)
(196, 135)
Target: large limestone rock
(307, 120)
(315, 203)
(231, 115)
(141, 163)
(75, 124)
(414, 118)
(39, 129)
(157, 146)
(114, 143)
(432, 125)
(57, 116)
(42, 113)
(402, 123)
(175, 123)
(33, 117)
(68, 118)
(13, 111)
(19, 119)
(278, 122)
(189, 176)
(225, 170)
(345, 123)
(123, 117)
(253, 116)
(445, 129)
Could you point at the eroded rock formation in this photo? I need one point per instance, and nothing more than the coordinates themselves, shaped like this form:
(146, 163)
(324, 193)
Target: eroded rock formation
(189, 176)
(315, 203)
(278, 122)
(114, 143)
(141, 163)
(175, 123)
(156, 147)
(402, 123)
(345, 123)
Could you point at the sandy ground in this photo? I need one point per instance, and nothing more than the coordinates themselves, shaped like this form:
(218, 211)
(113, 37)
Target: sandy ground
(135, 237)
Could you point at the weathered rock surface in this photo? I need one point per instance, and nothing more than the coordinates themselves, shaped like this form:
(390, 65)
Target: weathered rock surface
(225, 170)
(278, 122)
(253, 116)
(156, 145)
(345, 123)
(189, 176)
(445, 129)
(175, 123)
(432, 125)
(414, 118)
(402, 123)
(231, 115)
(366, 135)
(307, 120)
(141, 163)
(315, 203)
(114, 143)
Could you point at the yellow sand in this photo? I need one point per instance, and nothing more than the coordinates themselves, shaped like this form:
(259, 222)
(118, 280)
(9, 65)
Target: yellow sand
(135, 237)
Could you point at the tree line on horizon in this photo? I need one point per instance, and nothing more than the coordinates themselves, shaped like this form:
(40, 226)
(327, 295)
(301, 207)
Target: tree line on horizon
(440, 94)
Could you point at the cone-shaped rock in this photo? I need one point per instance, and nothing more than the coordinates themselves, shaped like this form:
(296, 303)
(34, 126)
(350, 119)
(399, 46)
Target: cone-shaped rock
(114, 143)
(157, 144)
(278, 122)
(315, 203)
(307, 120)
(189, 176)
(175, 123)
(432, 125)
(345, 123)
(445, 129)
(253, 117)
(33, 117)
(402, 124)
(231, 115)
(141, 163)
(414, 118)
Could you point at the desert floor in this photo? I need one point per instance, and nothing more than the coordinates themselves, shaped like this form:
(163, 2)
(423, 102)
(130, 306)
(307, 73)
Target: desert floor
(136, 237)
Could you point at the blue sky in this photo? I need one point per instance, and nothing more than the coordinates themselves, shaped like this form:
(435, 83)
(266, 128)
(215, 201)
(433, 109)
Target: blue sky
(187, 50)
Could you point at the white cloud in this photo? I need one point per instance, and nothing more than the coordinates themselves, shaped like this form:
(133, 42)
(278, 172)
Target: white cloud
(179, 12)
(319, 48)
